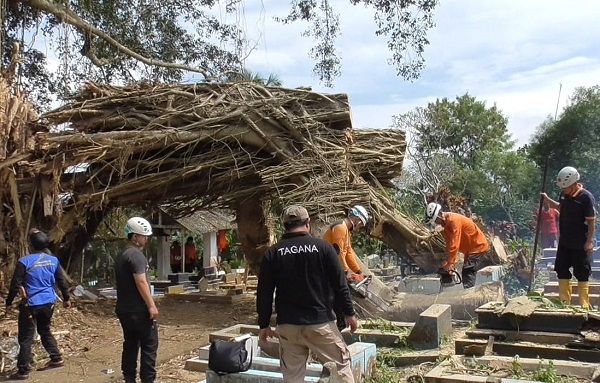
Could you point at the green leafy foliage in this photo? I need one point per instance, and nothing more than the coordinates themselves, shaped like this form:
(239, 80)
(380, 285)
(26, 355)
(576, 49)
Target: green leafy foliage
(184, 32)
(515, 367)
(572, 140)
(546, 374)
(464, 145)
(405, 23)
(384, 373)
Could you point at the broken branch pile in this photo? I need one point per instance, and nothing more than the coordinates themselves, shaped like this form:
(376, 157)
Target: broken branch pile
(194, 146)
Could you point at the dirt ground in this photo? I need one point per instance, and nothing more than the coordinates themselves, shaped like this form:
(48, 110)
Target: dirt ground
(91, 339)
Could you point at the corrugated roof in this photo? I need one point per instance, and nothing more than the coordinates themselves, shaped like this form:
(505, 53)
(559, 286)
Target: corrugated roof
(206, 221)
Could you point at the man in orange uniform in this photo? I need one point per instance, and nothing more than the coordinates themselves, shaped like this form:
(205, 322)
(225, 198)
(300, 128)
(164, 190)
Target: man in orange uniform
(339, 235)
(461, 234)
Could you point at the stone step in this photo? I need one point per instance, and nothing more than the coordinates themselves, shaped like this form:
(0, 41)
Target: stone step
(552, 287)
(594, 298)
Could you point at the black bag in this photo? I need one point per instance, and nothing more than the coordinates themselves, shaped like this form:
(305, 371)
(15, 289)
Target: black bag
(227, 357)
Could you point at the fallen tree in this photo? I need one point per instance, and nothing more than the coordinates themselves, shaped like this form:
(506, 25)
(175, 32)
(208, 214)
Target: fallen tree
(241, 146)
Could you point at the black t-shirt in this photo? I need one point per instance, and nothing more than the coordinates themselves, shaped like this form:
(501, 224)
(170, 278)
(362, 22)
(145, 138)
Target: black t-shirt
(307, 276)
(572, 223)
(131, 262)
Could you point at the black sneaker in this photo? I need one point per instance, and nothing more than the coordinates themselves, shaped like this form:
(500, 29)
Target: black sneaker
(19, 375)
(56, 363)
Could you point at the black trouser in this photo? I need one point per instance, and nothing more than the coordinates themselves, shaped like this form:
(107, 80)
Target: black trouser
(31, 317)
(338, 310)
(472, 265)
(578, 259)
(139, 333)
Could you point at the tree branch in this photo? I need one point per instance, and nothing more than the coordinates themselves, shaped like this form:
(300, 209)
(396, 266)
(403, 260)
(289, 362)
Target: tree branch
(71, 18)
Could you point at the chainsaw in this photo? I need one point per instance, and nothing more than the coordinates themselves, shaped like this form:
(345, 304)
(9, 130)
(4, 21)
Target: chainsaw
(359, 284)
(449, 278)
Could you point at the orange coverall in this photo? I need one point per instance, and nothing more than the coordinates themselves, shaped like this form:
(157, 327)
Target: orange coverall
(462, 234)
(339, 235)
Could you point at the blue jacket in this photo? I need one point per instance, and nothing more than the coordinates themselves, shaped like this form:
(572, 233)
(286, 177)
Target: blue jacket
(38, 273)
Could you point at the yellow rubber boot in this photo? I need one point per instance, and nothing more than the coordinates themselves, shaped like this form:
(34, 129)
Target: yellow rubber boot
(584, 294)
(564, 291)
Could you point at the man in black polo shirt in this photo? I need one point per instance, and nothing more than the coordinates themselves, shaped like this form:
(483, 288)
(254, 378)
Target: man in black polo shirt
(307, 276)
(576, 242)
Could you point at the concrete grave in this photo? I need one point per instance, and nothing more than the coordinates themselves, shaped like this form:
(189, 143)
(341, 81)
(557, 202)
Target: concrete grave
(229, 278)
(251, 376)
(377, 337)
(363, 360)
(433, 324)
(489, 274)
(266, 370)
(556, 320)
(180, 277)
(259, 363)
(203, 284)
(446, 372)
(175, 289)
(269, 348)
(527, 350)
(234, 331)
(420, 285)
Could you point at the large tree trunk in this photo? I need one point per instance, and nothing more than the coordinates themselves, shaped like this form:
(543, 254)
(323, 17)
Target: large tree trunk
(255, 229)
(71, 251)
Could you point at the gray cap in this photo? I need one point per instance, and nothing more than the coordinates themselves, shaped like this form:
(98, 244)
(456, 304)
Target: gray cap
(294, 213)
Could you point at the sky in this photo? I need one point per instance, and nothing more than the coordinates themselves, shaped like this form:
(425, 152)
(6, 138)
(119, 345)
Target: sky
(514, 54)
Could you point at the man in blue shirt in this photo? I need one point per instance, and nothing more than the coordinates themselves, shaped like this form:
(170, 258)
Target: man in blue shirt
(576, 225)
(34, 277)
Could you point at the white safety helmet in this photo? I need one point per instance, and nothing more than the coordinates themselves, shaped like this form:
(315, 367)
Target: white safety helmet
(432, 212)
(567, 177)
(360, 212)
(137, 225)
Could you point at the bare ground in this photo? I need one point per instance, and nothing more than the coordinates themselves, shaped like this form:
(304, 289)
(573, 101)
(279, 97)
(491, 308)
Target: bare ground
(91, 339)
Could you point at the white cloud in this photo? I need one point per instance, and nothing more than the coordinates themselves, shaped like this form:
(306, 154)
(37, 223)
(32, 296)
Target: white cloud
(513, 54)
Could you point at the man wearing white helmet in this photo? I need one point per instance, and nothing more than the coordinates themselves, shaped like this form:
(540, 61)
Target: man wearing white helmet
(575, 244)
(339, 235)
(461, 235)
(135, 307)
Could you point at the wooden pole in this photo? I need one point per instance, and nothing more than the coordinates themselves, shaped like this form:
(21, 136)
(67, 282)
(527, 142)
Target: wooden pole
(537, 227)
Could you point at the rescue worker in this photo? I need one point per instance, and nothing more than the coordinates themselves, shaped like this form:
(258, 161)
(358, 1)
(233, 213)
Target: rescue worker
(576, 223)
(135, 307)
(339, 235)
(461, 234)
(35, 276)
(306, 277)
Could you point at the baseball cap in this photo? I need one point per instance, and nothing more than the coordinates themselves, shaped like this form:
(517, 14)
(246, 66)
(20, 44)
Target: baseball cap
(294, 213)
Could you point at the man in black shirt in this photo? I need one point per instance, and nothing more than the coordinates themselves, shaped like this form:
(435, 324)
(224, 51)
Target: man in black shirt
(306, 273)
(136, 309)
(576, 226)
